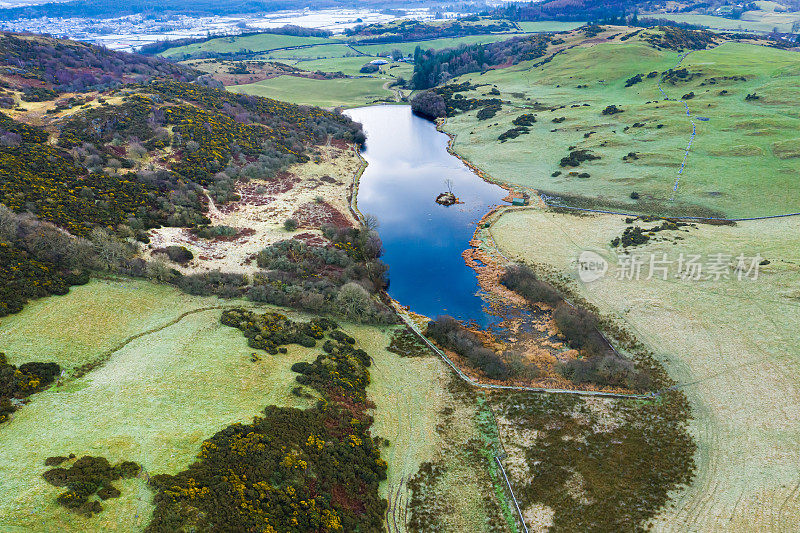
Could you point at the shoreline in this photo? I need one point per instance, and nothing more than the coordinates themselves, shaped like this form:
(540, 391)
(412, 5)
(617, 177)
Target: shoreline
(488, 280)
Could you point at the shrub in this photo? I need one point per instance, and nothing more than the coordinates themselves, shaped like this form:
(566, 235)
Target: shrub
(317, 469)
(216, 283)
(522, 280)
(448, 333)
(290, 224)
(369, 68)
(527, 119)
(576, 157)
(513, 133)
(611, 110)
(214, 232)
(488, 112)
(429, 104)
(87, 477)
(354, 302)
(178, 254)
(22, 382)
(579, 327)
(269, 331)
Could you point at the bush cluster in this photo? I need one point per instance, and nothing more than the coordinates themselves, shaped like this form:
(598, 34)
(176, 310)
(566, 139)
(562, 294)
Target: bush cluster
(414, 30)
(18, 383)
(86, 478)
(429, 104)
(70, 66)
(406, 343)
(271, 331)
(674, 38)
(599, 363)
(290, 470)
(37, 259)
(513, 133)
(448, 333)
(215, 232)
(528, 119)
(576, 157)
(522, 280)
(338, 279)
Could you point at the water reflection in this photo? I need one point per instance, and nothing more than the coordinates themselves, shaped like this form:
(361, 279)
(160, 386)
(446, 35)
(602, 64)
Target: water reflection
(423, 241)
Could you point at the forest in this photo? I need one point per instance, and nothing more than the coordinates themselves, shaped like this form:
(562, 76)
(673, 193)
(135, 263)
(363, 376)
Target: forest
(580, 10)
(433, 67)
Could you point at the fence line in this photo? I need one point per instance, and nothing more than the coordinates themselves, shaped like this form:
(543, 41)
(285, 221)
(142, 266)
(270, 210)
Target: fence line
(516, 503)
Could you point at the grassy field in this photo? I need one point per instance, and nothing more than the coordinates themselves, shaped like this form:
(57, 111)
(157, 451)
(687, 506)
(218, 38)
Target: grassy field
(732, 345)
(154, 401)
(172, 377)
(408, 396)
(428, 416)
(351, 66)
(758, 21)
(549, 25)
(92, 319)
(347, 92)
(739, 136)
(324, 51)
(254, 43)
(435, 44)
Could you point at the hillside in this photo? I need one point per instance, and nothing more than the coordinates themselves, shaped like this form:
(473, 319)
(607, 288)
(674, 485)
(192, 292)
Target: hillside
(43, 67)
(117, 145)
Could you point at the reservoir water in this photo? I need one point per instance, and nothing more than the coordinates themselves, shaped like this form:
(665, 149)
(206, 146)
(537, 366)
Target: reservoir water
(423, 241)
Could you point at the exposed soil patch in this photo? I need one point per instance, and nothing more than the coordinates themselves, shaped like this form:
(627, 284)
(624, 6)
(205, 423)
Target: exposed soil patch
(316, 214)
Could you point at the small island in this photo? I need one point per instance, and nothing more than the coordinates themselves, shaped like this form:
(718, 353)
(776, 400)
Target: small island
(447, 198)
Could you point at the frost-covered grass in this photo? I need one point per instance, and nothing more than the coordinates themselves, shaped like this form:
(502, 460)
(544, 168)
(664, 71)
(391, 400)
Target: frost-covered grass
(733, 345)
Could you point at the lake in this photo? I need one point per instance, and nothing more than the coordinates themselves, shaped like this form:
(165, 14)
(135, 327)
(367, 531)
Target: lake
(423, 241)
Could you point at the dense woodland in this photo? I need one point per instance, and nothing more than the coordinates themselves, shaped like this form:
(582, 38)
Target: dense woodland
(291, 470)
(414, 30)
(433, 67)
(576, 10)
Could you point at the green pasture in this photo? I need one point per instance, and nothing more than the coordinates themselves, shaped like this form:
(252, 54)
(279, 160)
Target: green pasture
(757, 21)
(254, 43)
(347, 92)
(174, 377)
(435, 44)
(323, 51)
(352, 66)
(743, 161)
(548, 25)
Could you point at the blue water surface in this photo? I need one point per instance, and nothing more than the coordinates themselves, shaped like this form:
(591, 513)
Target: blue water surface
(423, 241)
